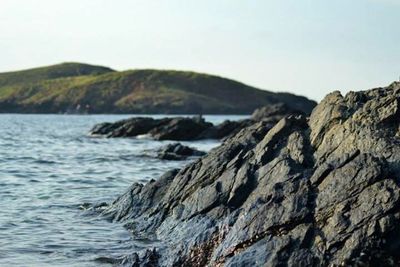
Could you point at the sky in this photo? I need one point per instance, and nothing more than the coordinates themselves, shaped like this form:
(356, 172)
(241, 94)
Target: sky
(307, 47)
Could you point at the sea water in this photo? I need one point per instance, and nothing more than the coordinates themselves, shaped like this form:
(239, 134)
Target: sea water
(49, 167)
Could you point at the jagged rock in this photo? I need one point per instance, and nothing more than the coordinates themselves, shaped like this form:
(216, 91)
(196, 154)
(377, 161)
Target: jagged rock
(274, 112)
(323, 191)
(126, 128)
(148, 258)
(182, 129)
(271, 113)
(225, 129)
(177, 151)
(179, 128)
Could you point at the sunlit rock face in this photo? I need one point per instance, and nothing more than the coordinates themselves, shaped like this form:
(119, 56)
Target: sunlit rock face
(317, 191)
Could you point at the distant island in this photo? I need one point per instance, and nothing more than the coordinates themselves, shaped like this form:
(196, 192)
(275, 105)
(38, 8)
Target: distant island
(82, 88)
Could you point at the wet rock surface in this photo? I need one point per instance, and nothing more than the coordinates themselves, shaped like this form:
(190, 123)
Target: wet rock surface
(317, 191)
(177, 151)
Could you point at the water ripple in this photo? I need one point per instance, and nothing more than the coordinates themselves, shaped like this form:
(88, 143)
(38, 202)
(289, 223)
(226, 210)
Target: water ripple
(49, 167)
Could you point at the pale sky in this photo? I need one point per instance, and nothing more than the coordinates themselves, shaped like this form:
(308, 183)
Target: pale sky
(307, 47)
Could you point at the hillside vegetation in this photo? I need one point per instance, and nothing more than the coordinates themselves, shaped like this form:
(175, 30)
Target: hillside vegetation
(94, 89)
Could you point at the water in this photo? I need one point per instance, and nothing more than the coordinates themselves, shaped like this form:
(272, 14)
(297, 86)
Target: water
(48, 168)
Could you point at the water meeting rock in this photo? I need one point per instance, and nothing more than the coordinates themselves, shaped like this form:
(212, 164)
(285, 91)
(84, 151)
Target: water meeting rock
(178, 128)
(177, 151)
(317, 191)
(187, 129)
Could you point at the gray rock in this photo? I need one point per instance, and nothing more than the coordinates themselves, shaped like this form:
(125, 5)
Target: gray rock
(186, 129)
(274, 112)
(225, 129)
(177, 151)
(126, 128)
(322, 191)
(271, 113)
(179, 128)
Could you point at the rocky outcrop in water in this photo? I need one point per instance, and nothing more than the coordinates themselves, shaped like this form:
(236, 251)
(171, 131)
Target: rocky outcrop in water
(317, 191)
(179, 128)
(177, 151)
(271, 114)
(186, 129)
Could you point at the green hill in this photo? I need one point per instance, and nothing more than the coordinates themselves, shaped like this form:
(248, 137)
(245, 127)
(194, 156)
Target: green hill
(96, 89)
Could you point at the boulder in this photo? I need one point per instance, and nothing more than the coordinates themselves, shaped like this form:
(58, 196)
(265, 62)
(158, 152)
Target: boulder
(271, 113)
(126, 128)
(179, 128)
(224, 129)
(177, 151)
(274, 112)
(323, 191)
(187, 129)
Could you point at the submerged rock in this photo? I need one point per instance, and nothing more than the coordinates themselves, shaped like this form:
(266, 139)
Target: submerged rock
(177, 151)
(323, 191)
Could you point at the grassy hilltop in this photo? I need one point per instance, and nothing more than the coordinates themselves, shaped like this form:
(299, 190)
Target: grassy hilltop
(62, 87)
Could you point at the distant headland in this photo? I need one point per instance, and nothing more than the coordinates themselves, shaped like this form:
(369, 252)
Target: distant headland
(86, 89)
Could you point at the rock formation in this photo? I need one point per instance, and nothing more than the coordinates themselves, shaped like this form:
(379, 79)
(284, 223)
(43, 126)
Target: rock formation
(177, 151)
(178, 128)
(195, 128)
(317, 191)
(271, 113)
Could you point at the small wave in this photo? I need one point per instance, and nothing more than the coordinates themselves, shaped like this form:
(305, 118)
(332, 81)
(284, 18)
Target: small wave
(92, 135)
(144, 136)
(45, 190)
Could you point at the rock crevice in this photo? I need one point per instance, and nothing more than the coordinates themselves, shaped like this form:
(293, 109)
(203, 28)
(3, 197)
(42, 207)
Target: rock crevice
(323, 191)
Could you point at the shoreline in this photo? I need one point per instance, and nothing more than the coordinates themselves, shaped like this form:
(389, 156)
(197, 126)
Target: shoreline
(295, 187)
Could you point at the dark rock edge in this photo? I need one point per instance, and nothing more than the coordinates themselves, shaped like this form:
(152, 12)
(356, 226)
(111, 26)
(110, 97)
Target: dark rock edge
(186, 128)
(318, 191)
